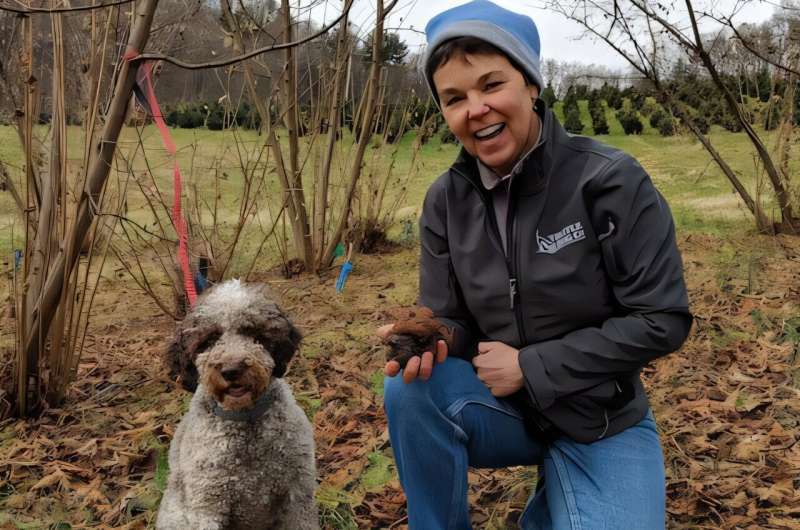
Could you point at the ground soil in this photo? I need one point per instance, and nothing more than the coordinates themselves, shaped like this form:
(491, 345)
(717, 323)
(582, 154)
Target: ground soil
(727, 404)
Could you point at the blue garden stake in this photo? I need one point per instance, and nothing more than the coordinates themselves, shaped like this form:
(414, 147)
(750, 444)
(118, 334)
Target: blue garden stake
(17, 258)
(347, 267)
(201, 276)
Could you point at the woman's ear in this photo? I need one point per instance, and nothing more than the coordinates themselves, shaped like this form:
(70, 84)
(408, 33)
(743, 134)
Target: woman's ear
(534, 91)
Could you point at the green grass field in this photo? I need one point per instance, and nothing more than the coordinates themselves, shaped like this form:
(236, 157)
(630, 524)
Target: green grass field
(213, 164)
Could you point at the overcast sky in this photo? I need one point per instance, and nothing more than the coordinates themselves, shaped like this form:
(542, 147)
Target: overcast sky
(562, 39)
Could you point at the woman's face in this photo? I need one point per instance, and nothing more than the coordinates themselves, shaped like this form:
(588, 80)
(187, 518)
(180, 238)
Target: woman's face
(488, 106)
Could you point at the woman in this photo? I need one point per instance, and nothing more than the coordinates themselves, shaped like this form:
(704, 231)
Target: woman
(553, 258)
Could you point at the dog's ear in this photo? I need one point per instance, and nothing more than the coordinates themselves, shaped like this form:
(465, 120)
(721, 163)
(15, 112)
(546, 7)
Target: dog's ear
(284, 348)
(181, 360)
(183, 350)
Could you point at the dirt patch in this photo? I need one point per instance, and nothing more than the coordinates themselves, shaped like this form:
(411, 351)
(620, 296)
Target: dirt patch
(727, 404)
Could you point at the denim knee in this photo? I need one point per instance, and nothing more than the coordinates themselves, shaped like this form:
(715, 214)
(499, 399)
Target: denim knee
(400, 397)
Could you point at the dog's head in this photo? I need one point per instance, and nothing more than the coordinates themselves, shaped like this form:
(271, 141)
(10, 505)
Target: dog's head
(235, 339)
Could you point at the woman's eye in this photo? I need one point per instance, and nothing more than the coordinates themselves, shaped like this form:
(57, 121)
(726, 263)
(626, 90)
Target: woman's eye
(493, 84)
(454, 99)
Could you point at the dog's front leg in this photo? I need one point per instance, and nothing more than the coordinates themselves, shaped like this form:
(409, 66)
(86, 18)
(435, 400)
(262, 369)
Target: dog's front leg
(300, 512)
(174, 515)
(206, 521)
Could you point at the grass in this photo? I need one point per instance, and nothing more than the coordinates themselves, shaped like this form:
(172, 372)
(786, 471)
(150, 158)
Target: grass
(212, 162)
(162, 469)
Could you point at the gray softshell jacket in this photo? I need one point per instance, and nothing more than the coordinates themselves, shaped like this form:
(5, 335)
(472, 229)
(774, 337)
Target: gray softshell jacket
(590, 290)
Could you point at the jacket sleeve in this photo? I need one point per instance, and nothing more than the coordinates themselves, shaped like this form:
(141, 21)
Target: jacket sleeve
(439, 289)
(645, 274)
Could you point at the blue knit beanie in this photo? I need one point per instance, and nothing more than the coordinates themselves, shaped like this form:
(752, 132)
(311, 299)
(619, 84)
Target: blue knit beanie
(514, 34)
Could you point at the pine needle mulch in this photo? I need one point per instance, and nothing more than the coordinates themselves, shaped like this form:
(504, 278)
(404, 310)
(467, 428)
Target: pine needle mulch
(727, 404)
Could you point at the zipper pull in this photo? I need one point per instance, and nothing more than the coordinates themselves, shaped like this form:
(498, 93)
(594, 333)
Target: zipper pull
(512, 290)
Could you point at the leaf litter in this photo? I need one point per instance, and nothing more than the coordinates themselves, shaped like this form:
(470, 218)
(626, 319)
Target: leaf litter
(727, 404)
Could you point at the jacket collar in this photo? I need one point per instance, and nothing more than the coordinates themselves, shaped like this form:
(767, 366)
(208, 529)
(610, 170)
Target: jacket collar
(535, 167)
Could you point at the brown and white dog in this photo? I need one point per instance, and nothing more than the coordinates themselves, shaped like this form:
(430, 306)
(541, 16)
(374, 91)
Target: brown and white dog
(243, 455)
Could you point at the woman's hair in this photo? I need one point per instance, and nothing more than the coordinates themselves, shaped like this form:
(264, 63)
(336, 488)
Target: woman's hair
(466, 45)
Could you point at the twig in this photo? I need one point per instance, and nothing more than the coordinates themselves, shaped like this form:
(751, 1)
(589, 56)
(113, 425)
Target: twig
(244, 56)
(137, 225)
(44, 10)
(749, 47)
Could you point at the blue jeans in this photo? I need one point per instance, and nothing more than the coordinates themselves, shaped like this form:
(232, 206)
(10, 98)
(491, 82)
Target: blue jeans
(441, 426)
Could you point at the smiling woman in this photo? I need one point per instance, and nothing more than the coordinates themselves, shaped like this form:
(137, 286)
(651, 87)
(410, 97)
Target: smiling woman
(488, 105)
(553, 259)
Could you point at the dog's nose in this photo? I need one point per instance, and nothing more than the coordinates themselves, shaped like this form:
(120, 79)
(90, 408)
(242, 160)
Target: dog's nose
(231, 373)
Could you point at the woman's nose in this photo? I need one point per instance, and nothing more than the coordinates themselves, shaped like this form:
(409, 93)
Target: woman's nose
(477, 108)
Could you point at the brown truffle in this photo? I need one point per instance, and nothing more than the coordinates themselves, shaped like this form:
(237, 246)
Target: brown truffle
(415, 332)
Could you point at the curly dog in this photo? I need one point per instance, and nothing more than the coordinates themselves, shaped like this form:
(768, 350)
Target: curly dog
(243, 455)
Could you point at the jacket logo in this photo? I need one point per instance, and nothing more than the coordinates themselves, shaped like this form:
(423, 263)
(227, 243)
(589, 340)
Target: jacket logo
(566, 236)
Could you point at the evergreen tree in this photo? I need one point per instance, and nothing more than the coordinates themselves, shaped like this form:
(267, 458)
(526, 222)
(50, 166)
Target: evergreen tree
(394, 50)
(611, 95)
(570, 99)
(772, 117)
(666, 126)
(702, 124)
(581, 91)
(599, 121)
(572, 119)
(629, 119)
(764, 84)
(549, 96)
(656, 118)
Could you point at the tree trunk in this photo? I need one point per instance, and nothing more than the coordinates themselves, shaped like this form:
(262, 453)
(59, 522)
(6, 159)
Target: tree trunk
(40, 316)
(762, 222)
(371, 99)
(300, 228)
(781, 193)
(321, 195)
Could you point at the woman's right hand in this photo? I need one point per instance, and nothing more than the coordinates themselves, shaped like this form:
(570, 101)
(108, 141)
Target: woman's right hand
(416, 367)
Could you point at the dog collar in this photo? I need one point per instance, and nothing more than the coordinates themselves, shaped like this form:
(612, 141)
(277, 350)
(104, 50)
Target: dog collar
(253, 413)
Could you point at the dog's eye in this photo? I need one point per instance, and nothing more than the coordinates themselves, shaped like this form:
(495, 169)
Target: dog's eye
(208, 341)
(257, 336)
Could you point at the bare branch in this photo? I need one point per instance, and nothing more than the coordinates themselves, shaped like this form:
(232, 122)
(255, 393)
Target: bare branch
(640, 66)
(43, 10)
(752, 49)
(244, 56)
(671, 28)
(137, 225)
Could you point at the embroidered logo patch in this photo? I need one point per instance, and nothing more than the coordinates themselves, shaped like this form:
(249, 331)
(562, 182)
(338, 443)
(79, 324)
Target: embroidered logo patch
(566, 236)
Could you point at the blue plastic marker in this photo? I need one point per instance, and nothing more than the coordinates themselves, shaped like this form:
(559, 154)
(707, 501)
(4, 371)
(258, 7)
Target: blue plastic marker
(344, 272)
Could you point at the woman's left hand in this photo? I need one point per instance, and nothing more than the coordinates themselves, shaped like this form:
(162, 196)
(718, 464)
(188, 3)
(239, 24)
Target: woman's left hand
(498, 368)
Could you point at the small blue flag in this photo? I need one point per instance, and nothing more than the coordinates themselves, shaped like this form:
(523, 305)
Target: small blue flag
(17, 258)
(201, 276)
(347, 266)
(200, 282)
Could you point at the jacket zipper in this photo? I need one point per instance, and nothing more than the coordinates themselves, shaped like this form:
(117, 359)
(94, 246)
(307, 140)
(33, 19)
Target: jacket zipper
(515, 302)
(511, 260)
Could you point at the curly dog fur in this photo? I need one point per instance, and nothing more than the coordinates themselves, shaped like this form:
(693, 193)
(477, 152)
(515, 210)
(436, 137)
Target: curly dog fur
(243, 456)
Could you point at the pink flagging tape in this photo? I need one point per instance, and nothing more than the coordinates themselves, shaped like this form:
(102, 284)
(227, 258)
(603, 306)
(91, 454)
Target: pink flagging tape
(177, 213)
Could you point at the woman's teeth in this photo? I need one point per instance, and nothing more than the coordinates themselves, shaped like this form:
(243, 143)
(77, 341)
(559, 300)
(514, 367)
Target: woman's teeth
(490, 132)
